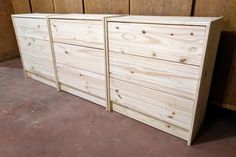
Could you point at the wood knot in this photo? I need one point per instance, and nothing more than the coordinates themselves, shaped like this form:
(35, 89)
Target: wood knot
(173, 113)
(154, 54)
(131, 72)
(170, 117)
(29, 43)
(144, 32)
(66, 52)
(192, 33)
(168, 126)
(80, 75)
(183, 60)
(172, 34)
(117, 90)
(117, 27)
(38, 26)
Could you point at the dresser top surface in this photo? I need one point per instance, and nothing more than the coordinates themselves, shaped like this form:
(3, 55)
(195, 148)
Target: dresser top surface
(65, 16)
(178, 20)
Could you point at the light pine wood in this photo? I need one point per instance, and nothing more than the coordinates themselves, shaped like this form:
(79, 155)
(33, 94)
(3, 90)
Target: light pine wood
(41, 79)
(32, 28)
(84, 58)
(78, 32)
(136, 76)
(211, 45)
(169, 77)
(182, 44)
(68, 6)
(165, 107)
(35, 48)
(83, 95)
(166, 20)
(164, 126)
(85, 81)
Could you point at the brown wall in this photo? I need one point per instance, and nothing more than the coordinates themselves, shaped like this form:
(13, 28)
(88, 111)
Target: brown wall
(8, 46)
(223, 90)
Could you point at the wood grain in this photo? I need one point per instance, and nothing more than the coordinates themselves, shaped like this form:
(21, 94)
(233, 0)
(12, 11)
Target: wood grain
(21, 6)
(168, 77)
(8, 44)
(161, 7)
(42, 6)
(68, 6)
(88, 59)
(164, 107)
(106, 6)
(181, 44)
(164, 126)
(79, 32)
(82, 80)
(32, 28)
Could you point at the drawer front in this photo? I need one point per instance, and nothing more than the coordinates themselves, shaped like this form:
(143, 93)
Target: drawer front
(32, 28)
(165, 107)
(182, 44)
(83, 58)
(79, 32)
(36, 48)
(173, 78)
(85, 81)
(38, 66)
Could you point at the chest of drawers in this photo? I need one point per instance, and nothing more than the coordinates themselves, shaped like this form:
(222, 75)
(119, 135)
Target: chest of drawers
(32, 34)
(160, 69)
(78, 45)
(156, 70)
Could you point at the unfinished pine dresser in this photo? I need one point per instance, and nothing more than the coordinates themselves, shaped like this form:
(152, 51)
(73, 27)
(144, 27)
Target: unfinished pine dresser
(160, 69)
(78, 45)
(32, 33)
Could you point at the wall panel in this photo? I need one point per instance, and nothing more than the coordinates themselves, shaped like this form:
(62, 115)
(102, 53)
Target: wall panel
(21, 6)
(68, 6)
(106, 6)
(8, 46)
(42, 6)
(223, 89)
(161, 7)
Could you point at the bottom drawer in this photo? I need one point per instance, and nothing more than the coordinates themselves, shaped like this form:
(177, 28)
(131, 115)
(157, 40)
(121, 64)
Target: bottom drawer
(153, 104)
(85, 81)
(39, 67)
(166, 127)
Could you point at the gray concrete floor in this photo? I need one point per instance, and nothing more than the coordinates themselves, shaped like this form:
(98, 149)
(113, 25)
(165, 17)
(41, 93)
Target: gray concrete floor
(37, 121)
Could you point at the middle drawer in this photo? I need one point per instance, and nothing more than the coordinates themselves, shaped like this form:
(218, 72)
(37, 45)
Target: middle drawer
(81, 68)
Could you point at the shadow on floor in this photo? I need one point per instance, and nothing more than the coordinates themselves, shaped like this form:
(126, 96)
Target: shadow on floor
(219, 124)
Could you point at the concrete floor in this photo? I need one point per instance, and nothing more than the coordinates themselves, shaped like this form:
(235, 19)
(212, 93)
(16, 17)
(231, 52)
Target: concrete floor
(37, 121)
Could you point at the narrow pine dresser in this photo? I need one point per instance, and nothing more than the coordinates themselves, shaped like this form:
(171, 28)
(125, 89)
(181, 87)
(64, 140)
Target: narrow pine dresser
(32, 35)
(78, 45)
(160, 69)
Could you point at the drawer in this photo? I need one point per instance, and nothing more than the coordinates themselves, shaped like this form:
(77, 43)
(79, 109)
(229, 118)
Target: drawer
(169, 77)
(32, 28)
(165, 107)
(39, 67)
(182, 44)
(85, 81)
(83, 58)
(35, 48)
(80, 32)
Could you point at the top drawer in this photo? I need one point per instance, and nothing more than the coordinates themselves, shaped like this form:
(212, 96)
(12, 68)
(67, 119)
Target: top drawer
(177, 43)
(79, 32)
(32, 28)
